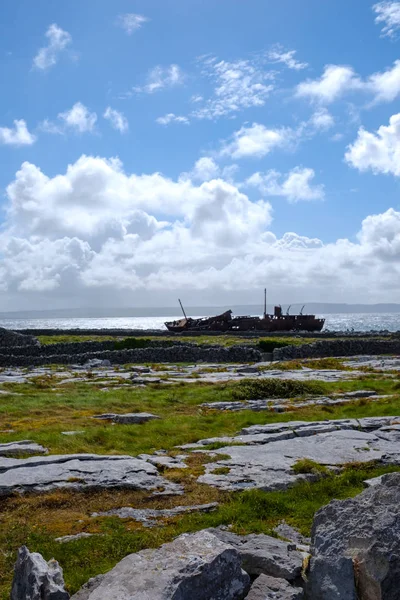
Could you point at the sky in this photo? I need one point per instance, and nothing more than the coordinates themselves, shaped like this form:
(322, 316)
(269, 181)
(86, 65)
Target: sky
(201, 149)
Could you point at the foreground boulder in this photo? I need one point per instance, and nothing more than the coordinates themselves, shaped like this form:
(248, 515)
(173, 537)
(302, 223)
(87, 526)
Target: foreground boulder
(35, 579)
(272, 588)
(355, 546)
(194, 566)
(263, 554)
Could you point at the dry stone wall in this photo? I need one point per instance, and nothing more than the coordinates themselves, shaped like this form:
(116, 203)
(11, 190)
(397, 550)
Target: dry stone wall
(348, 347)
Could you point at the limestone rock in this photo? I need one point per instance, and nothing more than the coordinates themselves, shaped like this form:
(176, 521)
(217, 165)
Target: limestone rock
(196, 566)
(134, 418)
(35, 579)
(264, 554)
(273, 588)
(88, 588)
(79, 472)
(355, 546)
(20, 448)
(149, 516)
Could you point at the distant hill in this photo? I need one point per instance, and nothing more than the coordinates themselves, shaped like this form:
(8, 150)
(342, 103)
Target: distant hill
(310, 308)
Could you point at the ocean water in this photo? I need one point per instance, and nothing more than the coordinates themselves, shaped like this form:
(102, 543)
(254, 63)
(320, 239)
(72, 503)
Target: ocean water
(334, 322)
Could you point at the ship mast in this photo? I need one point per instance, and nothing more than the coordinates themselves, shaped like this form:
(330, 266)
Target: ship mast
(183, 310)
(265, 303)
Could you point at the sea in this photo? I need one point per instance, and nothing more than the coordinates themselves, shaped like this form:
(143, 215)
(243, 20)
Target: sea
(334, 322)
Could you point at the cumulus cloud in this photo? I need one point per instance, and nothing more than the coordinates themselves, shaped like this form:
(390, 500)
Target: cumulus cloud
(322, 120)
(58, 40)
(379, 151)
(94, 229)
(256, 140)
(295, 186)
(279, 55)
(17, 136)
(172, 118)
(238, 85)
(117, 119)
(79, 118)
(131, 22)
(388, 15)
(338, 80)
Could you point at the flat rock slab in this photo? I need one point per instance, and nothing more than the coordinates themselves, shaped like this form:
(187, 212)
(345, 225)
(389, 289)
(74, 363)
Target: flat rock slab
(150, 517)
(264, 554)
(20, 448)
(265, 455)
(272, 588)
(197, 566)
(80, 472)
(128, 418)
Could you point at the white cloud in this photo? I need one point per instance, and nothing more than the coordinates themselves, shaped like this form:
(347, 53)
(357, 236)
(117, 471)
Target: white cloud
(131, 22)
(204, 169)
(322, 120)
(256, 140)
(388, 15)
(58, 40)
(79, 118)
(83, 234)
(18, 136)
(294, 186)
(335, 80)
(279, 55)
(338, 80)
(117, 119)
(160, 78)
(238, 85)
(378, 152)
(172, 118)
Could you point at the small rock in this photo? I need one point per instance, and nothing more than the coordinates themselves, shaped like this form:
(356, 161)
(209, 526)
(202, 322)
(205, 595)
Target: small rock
(20, 448)
(244, 370)
(290, 533)
(71, 538)
(132, 418)
(94, 363)
(72, 432)
(273, 588)
(35, 579)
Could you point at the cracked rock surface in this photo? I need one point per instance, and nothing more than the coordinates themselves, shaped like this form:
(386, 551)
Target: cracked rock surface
(263, 456)
(21, 447)
(78, 472)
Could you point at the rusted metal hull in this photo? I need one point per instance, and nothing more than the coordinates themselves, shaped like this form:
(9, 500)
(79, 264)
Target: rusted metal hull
(267, 323)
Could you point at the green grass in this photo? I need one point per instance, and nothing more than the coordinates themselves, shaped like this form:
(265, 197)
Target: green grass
(248, 512)
(43, 410)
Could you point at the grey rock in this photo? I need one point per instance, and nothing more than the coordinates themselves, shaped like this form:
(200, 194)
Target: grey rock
(246, 370)
(355, 546)
(196, 566)
(72, 538)
(149, 517)
(22, 447)
(36, 579)
(80, 472)
(165, 462)
(134, 418)
(72, 432)
(290, 533)
(94, 363)
(88, 588)
(272, 588)
(264, 554)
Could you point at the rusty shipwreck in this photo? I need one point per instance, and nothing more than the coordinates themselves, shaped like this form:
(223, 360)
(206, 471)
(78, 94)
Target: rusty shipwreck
(278, 321)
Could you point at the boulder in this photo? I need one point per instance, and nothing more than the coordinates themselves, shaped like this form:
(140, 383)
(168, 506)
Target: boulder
(94, 363)
(88, 588)
(134, 418)
(36, 579)
(194, 566)
(272, 588)
(264, 554)
(355, 546)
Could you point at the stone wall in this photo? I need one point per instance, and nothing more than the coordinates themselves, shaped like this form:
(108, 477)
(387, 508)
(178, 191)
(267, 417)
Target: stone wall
(329, 348)
(175, 354)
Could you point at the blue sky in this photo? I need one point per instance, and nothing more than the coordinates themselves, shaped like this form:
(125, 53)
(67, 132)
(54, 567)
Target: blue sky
(248, 142)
